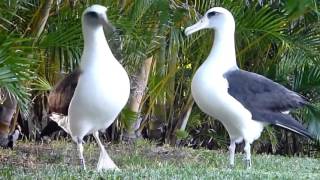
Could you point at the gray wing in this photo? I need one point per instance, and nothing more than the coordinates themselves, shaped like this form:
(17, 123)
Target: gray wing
(265, 99)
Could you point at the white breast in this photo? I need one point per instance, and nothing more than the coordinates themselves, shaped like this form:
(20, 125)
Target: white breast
(210, 92)
(102, 91)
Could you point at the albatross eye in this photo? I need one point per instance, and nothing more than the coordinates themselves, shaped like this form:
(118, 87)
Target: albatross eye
(210, 14)
(92, 14)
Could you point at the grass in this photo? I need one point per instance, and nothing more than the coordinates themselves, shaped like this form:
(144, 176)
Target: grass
(144, 160)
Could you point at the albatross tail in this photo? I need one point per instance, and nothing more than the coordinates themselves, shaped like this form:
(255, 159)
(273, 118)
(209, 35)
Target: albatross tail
(285, 121)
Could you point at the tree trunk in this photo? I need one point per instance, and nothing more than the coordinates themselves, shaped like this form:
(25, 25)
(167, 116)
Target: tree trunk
(139, 85)
(38, 22)
(159, 116)
(173, 58)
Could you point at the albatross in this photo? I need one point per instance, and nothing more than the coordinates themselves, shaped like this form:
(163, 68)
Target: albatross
(244, 102)
(103, 87)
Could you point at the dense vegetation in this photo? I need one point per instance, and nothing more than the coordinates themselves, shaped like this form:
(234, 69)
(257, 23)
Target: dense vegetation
(41, 41)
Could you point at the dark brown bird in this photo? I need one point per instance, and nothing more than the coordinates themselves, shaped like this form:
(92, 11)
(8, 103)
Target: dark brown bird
(61, 95)
(59, 101)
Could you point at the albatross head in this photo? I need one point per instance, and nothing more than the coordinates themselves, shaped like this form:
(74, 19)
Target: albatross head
(96, 16)
(216, 18)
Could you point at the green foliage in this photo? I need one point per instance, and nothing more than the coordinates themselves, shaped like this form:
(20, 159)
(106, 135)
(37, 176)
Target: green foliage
(307, 78)
(272, 136)
(313, 114)
(296, 9)
(16, 67)
(41, 84)
(181, 134)
(128, 117)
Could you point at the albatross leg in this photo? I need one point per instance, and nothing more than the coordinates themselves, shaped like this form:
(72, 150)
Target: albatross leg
(80, 152)
(105, 162)
(247, 150)
(232, 149)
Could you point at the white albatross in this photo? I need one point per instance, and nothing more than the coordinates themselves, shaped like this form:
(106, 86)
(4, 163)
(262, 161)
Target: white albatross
(242, 101)
(103, 87)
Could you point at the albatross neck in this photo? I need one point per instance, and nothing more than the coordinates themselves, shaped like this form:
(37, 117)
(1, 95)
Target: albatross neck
(223, 54)
(94, 37)
(96, 48)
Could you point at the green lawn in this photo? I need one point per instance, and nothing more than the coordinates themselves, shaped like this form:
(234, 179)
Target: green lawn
(143, 160)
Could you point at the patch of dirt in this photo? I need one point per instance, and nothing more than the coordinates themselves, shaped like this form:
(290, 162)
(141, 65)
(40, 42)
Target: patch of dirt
(33, 155)
(167, 153)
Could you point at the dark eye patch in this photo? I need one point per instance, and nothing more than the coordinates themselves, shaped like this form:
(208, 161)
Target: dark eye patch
(92, 14)
(213, 13)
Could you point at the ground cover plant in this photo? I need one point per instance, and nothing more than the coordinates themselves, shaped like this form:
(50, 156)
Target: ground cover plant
(146, 160)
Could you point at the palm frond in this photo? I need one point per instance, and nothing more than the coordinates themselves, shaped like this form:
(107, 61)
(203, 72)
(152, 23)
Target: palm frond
(307, 78)
(127, 118)
(16, 68)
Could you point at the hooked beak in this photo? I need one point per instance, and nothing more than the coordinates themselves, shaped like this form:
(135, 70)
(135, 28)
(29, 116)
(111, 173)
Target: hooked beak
(107, 26)
(201, 24)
